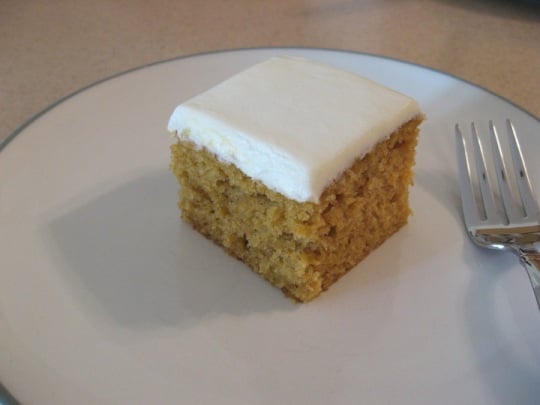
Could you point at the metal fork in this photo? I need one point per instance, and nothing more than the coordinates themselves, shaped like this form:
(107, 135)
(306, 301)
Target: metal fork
(506, 217)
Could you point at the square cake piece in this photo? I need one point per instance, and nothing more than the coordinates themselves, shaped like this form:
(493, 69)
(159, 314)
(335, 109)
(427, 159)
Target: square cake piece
(296, 168)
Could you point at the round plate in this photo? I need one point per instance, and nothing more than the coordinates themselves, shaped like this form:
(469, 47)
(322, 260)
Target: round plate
(107, 297)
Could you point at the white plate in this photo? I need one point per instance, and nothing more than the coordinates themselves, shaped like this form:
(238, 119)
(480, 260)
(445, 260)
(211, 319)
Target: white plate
(106, 297)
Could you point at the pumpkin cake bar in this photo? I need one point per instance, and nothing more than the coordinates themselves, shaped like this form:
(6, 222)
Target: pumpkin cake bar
(297, 168)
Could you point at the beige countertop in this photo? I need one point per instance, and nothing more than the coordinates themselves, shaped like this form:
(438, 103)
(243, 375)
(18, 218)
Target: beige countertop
(49, 49)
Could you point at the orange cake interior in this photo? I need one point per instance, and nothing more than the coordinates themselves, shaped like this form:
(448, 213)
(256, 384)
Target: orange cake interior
(302, 248)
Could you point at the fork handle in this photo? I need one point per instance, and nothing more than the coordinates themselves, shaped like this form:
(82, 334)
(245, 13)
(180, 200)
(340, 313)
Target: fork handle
(530, 259)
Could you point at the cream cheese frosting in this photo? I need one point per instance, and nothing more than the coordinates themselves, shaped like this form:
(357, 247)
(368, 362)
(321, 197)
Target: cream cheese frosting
(293, 124)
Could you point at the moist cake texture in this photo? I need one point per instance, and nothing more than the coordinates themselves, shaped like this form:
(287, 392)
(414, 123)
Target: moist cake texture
(296, 168)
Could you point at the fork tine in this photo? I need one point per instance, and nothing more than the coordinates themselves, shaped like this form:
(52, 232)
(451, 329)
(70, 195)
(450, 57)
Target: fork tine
(530, 206)
(470, 209)
(502, 177)
(483, 179)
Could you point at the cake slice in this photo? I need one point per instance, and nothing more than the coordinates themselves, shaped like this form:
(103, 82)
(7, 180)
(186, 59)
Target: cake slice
(296, 168)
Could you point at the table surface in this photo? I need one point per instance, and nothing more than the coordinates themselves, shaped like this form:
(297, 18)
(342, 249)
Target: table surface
(51, 49)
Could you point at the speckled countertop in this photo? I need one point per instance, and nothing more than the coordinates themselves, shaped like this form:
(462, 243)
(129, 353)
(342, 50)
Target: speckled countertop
(49, 49)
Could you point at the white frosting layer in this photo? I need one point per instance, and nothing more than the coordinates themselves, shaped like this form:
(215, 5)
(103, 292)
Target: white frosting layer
(293, 124)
